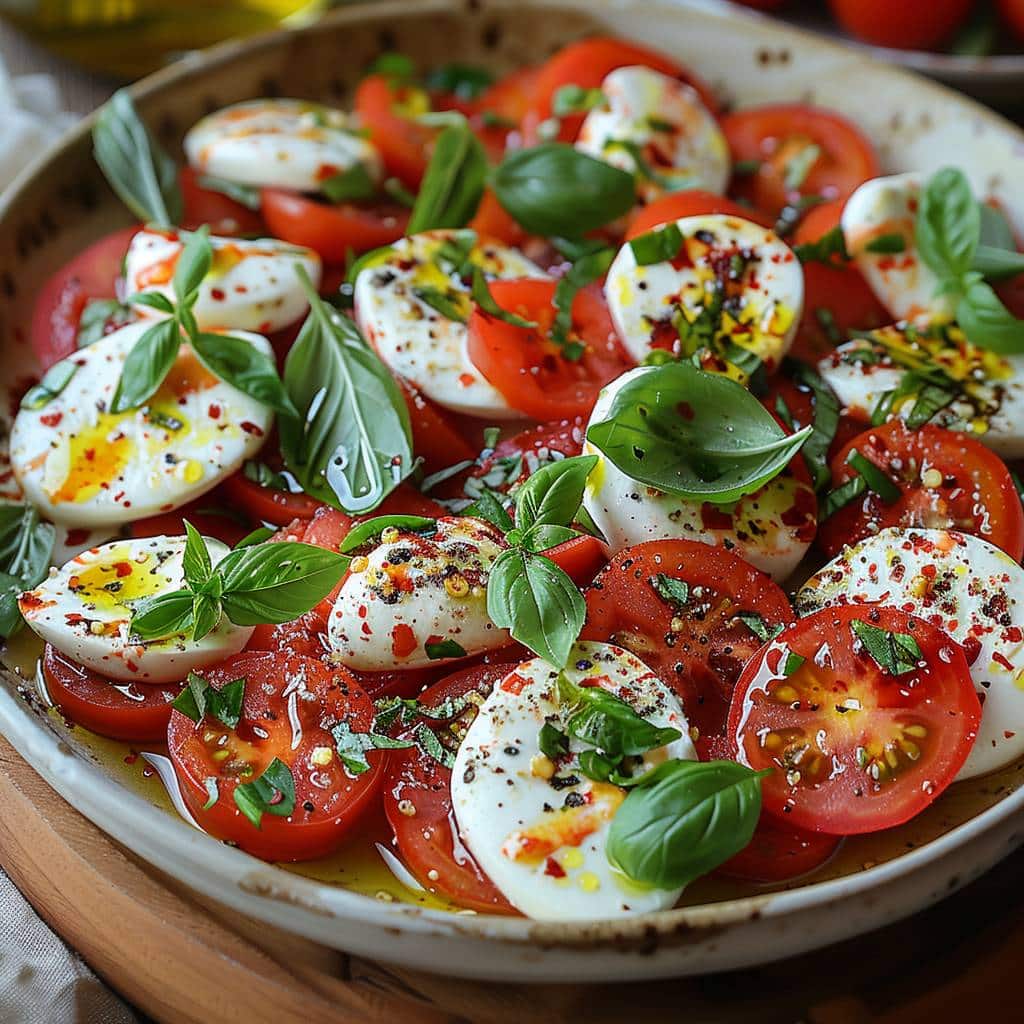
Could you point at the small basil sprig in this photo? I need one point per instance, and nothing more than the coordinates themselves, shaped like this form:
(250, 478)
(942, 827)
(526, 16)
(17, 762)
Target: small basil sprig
(352, 747)
(144, 177)
(453, 182)
(693, 434)
(351, 443)
(198, 698)
(868, 477)
(574, 99)
(553, 189)
(26, 546)
(684, 820)
(896, 653)
(369, 531)
(272, 793)
(588, 268)
(252, 585)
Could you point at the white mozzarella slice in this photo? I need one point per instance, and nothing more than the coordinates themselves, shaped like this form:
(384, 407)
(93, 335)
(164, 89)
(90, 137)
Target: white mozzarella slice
(251, 286)
(292, 144)
(733, 280)
(412, 591)
(771, 528)
(962, 584)
(540, 839)
(415, 340)
(85, 608)
(662, 120)
(84, 466)
(902, 282)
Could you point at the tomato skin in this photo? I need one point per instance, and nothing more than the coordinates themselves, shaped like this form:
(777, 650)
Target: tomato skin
(507, 100)
(778, 852)
(92, 274)
(267, 504)
(976, 495)
(205, 206)
(527, 368)
(331, 231)
(689, 203)
(582, 558)
(172, 524)
(435, 438)
(1012, 12)
(709, 649)
(492, 222)
(908, 25)
(404, 144)
(772, 135)
(324, 811)
(839, 716)
(425, 839)
(95, 703)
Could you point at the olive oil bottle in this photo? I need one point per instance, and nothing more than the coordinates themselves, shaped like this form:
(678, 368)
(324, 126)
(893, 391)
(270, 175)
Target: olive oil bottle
(130, 38)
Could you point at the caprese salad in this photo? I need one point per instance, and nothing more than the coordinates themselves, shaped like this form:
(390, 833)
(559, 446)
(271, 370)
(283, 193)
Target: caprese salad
(447, 461)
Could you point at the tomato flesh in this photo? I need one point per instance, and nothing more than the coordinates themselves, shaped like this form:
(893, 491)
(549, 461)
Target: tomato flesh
(778, 852)
(690, 203)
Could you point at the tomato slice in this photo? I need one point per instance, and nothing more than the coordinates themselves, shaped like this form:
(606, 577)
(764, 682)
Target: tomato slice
(276, 724)
(946, 481)
(267, 504)
(335, 232)
(418, 804)
(134, 712)
(224, 215)
(493, 223)
(404, 144)
(698, 646)
(497, 114)
(203, 514)
(435, 436)
(528, 368)
(693, 202)
(853, 748)
(778, 852)
(582, 558)
(909, 25)
(92, 274)
(800, 151)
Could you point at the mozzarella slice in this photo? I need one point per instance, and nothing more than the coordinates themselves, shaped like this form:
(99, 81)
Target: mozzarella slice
(415, 340)
(251, 286)
(83, 466)
(987, 389)
(84, 611)
(771, 528)
(413, 591)
(902, 282)
(961, 584)
(292, 144)
(537, 829)
(662, 120)
(733, 283)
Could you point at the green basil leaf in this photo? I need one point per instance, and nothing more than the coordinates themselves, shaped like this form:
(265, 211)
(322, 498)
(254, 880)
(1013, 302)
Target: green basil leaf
(756, 624)
(199, 698)
(825, 421)
(351, 444)
(987, 323)
(370, 530)
(537, 603)
(272, 793)
(552, 741)
(144, 177)
(876, 479)
(196, 560)
(887, 244)
(447, 648)
(54, 381)
(978, 36)
(26, 547)
(658, 246)
(792, 663)
(726, 445)
(258, 536)
(574, 99)
(242, 365)
(462, 80)
(675, 592)
(585, 270)
(799, 166)
(947, 227)
(684, 821)
(552, 496)
(147, 365)
(597, 766)
(543, 537)
(995, 264)
(97, 315)
(485, 300)
(841, 496)
(352, 747)
(426, 739)
(260, 473)
(164, 615)
(393, 65)
(193, 266)
(996, 232)
(191, 702)
(442, 301)
(349, 185)
(272, 583)
(453, 183)
(206, 613)
(154, 300)
(930, 399)
(896, 653)
(830, 249)
(212, 792)
(553, 189)
(246, 195)
(489, 508)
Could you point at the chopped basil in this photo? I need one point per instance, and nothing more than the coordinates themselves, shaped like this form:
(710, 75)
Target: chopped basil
(756, 624)
(574, 99)
(675, 592)
(792, 663)
(584, 271)
(891, 243)
(841, 496)
(465, 81)
(485, 300)
(352, 747)
(346, 186)
(245, 195)
(799, 166)
(199, 698)
(657, 246)
(876, 479)
(99, 315)
(825, 421)
(828, 249)
(552, 741)
(428, 743)
(393, 65)
(272, 793)
(447, 648)
(442, 301)
(896, 653)
(54, 381)
(26, 546)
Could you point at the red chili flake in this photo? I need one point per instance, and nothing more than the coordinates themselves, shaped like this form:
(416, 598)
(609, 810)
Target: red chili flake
(74, 618)
(214, 411)
(403, 641)
(553, 869)
(241, 289)
(251, 428)
(90, 454)
(999, 659)
(325, 171)
(466, 379)
(76, 537)
(217, 294)
(514, 683)
(972, 648)
(30, 600)
(132, 757)
(1008, 734)
(51, 419)
(366, 629)
(123, 569)
(714, 518)
(929, 571)
(1014, 635)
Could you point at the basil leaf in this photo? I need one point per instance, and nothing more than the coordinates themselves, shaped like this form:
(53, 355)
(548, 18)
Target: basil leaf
(352, 747)
(392, 65)
(585, 270)
(370, 530)
(987, 323)
(684, 821)
(824, 424)
(242, 365)
(978, 36)
(544, 537)
(349, 185)
(574, 99)
(552, 496)
(876, 479)
(602, 720)
(153, 300)
(26, 547)
(272, 793)
(597, 766)
(725, 446)
(887, 244)
(351, 444)
(485, 300)
(206, 613)
(896, 653)
(199, 698)
(930, 399)
(193, 266)
(429, 744)
(162, 616)
(537, 603)
(453, 183)
(830, 249)
(552, 741)
(461, 80)
(97, 315)
(675, 592)
(271, 583)
(756, 624)
(997, 263)
(657, 246)
(442, 301)
(792, 663)
(147, 365)
(444, 649)
(244, 195)
(947, 227)
(144, 177)
(196, 559)
(258, 536)
(799, 166)
(553, 189)
(489, 508)
(54, 381)
(212, 792)
(996, 232)
(840, 497)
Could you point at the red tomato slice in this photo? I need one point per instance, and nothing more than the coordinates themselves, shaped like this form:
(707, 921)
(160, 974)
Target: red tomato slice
(778, 852)
(92, 274)
(780, 137)
(221, 213)
(582, 558)
(699, 648)
(691, 203)
(133, 712)
(328, 800)
(496, 115)
(267, 504)
(224, 527)
(418, 804)
(492, 223)
(837, 299)
(947, 481)
(435, 438)
(585, 64)
(404, 144)
(908, 25)
(853, 748)
(528, 368)
(335, 232)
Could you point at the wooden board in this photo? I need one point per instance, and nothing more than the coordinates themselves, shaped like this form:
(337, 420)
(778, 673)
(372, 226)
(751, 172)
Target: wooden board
(186, 960)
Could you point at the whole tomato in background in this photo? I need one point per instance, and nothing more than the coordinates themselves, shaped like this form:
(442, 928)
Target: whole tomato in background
(905, 24)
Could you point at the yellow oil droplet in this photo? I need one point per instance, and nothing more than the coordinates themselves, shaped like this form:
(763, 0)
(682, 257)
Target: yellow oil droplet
(572, 859)
(193, 472)
(121, 577)
(589, 882)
